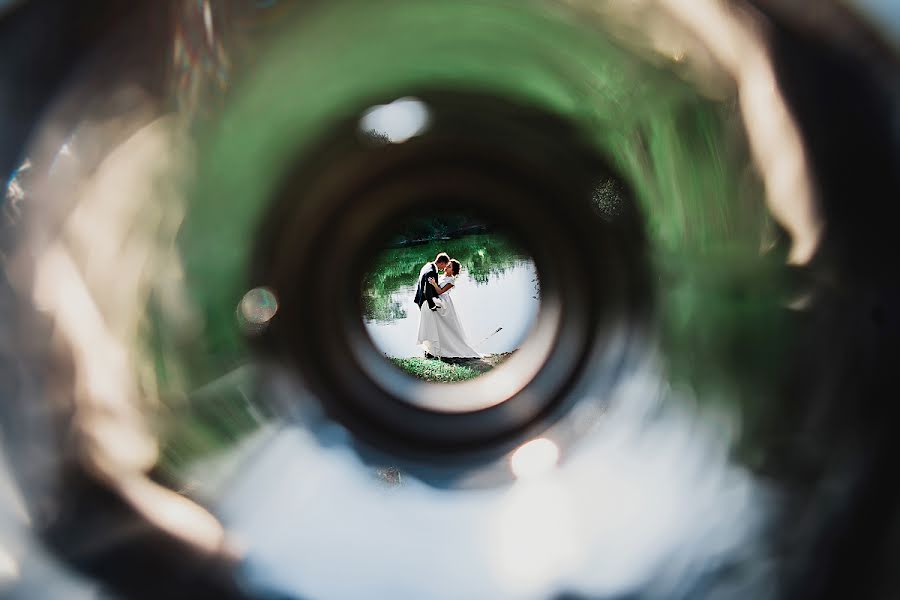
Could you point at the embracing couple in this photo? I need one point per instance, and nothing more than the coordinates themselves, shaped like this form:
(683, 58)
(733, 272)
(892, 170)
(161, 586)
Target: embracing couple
(441, 334)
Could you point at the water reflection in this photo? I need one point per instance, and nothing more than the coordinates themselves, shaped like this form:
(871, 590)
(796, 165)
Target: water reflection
(497, 294)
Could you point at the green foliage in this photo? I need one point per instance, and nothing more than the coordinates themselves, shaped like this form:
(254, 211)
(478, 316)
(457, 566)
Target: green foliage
(483, 256)
(209, 421)
(435, 370)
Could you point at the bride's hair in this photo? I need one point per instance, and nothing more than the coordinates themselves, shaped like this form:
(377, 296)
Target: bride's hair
(456, 266)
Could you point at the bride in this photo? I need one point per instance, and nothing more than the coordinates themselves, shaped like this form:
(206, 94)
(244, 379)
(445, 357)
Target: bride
(440, 331)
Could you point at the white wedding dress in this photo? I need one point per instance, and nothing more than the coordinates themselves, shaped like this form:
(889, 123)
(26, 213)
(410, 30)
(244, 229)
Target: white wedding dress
(440, 331)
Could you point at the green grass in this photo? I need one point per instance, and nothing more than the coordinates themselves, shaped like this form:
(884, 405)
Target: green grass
(435, 370)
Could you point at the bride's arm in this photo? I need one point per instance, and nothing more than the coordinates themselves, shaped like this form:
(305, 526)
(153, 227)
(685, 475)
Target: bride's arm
(441, 290)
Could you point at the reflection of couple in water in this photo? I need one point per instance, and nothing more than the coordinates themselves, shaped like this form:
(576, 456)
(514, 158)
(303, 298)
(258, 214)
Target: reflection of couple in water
(441, 333)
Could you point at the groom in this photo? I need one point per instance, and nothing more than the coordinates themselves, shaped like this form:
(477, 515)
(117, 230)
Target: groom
(425, 292)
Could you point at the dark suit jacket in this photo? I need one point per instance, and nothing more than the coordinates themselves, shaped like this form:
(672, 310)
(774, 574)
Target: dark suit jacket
(425, 292)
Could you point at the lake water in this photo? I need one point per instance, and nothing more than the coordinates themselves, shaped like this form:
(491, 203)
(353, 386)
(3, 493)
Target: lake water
(496, 288)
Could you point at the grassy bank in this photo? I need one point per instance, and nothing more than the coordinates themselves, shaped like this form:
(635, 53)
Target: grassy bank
(450, 369)
(435, 370)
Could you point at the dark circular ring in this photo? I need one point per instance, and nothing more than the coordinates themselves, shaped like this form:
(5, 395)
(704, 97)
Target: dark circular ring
(520, 168)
